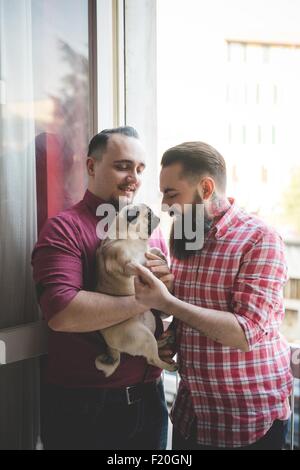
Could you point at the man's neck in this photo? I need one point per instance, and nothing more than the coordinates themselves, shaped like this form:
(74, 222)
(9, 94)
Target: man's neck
(217, 206)
(96, 193)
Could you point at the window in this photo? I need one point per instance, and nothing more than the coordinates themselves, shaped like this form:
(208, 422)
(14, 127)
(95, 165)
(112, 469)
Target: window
(245, 93)
(264, 175)
(257, 93)
(273, 135)
(222, 82)
(259, 135)
(229, 133)
(235, 174)
(266, 54)
(244, 134)
(60, 52)
(275, 94)
(227, 93)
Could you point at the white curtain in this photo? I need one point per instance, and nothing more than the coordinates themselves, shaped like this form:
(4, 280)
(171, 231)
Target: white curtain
(19, 397)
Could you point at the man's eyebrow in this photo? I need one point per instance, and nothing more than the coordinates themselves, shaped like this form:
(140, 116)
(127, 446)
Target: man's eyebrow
(124, 160)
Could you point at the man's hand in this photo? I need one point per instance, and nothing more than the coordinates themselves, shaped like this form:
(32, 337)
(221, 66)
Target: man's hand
(160, 268)
(149, 290)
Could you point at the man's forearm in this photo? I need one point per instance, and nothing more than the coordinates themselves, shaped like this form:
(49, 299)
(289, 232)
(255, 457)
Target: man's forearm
(91, 311)
(220, 326)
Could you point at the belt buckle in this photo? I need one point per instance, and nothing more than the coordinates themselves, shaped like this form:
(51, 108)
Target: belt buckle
(129, 401)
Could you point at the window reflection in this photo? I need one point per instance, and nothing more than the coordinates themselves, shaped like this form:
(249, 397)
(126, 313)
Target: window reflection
(61, 97)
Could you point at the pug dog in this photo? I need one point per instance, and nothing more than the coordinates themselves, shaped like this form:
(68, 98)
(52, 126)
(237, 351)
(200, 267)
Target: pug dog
(126, 242)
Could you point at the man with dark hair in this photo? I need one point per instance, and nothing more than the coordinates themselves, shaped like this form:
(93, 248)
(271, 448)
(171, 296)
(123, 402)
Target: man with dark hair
(99, 142)
(81, 409)
(233, 362)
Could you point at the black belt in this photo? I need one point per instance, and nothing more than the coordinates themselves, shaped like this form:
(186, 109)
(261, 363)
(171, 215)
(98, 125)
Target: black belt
(132, 394)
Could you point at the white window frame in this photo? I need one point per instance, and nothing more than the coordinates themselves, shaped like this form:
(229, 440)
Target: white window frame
(111, 64)
(140, 87)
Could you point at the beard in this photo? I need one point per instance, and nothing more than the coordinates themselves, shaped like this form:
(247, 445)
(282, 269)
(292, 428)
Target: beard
(178, 246)
(120, 202)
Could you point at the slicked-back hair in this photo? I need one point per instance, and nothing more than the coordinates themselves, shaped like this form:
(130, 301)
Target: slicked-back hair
(197, 159)
(98, 143)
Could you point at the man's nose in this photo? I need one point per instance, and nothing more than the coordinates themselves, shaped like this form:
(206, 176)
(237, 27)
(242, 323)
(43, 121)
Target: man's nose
(132, 177)
(164, 205)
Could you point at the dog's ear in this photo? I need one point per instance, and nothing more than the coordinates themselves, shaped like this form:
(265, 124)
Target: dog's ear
(114, 262)
(112, 266)
(129, 269)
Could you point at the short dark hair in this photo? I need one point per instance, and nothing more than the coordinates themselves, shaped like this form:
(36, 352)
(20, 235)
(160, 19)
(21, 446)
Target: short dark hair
(197, 158)
(99, 142)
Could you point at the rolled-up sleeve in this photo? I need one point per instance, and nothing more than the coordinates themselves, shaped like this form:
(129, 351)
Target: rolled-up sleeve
(57, 266)
(257, 300)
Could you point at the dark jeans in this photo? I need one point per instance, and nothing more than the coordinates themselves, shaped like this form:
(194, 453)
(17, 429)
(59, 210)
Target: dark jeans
(88, 419)
(273, 440)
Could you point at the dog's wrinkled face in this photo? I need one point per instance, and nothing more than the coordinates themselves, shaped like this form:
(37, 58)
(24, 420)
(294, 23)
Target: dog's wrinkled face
(139, 221)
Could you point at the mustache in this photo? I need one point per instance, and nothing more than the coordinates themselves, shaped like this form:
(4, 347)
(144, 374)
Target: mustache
(131, 187)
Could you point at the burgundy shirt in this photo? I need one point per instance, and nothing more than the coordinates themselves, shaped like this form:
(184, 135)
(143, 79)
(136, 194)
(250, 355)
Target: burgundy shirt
(64, 263)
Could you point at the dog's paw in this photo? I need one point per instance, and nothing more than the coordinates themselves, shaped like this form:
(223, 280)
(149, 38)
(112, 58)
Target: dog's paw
(107, 369)
(106, 359)
(107, 363)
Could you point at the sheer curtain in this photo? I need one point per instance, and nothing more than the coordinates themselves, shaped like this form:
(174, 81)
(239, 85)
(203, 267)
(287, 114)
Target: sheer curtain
(19, 397)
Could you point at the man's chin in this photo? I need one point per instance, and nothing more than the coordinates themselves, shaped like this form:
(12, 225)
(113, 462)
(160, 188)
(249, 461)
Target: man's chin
(122, 200)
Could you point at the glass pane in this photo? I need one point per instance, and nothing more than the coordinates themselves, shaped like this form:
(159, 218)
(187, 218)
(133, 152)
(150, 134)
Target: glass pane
(232, 80)
(61, 102)
(228, 73)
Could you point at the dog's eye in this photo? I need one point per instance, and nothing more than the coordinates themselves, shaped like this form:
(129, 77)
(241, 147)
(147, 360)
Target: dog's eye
(132, 217)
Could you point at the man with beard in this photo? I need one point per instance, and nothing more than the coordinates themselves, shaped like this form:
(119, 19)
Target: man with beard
(81, 409)
(227, 304)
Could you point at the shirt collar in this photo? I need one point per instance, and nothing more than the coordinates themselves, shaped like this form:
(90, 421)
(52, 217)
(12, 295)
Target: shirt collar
(92, 201)
(223, 225)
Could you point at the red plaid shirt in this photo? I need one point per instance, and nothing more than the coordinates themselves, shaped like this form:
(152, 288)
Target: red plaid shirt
(233, 396)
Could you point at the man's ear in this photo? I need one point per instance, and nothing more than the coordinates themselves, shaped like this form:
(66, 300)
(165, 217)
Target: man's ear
(90, 164)
(206, 187)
